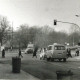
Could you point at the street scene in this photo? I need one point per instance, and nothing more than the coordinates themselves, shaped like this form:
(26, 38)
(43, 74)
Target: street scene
(39, 40)
(36, 69)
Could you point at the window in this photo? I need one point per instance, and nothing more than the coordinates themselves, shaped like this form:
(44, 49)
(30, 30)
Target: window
(59, 48)
(62, 48)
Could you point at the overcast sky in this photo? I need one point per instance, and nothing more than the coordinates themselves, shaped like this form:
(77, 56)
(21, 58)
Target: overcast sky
(41, 12)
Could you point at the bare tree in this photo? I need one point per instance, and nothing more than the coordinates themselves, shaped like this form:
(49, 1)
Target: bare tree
(4, 27)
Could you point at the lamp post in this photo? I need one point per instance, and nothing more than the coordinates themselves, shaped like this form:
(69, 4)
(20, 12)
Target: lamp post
(79, 27)
(55, 23)
(12, 37)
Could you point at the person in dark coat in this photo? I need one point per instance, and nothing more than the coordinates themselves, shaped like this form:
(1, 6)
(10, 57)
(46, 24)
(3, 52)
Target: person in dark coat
(35, 51)
(3, 53)
(69, 53)
(77, 52)
(20, 54)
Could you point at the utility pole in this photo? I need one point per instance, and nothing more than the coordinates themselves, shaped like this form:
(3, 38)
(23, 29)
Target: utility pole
(12, 37)
(79, 39)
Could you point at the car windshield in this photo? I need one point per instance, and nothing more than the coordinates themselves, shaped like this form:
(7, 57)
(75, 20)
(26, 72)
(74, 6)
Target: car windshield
(59, 48)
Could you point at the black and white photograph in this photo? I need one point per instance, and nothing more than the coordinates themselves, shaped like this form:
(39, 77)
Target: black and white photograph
(39, 39)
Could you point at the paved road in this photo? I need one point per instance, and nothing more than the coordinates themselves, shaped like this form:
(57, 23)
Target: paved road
(43, 69)
(47, 70)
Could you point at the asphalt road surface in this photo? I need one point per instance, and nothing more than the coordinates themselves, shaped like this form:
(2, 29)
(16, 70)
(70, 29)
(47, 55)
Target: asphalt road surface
(43, 69)
(47, 70)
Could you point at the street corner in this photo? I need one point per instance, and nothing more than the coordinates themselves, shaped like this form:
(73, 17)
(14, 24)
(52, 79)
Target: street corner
(6, 73)
(76, 58)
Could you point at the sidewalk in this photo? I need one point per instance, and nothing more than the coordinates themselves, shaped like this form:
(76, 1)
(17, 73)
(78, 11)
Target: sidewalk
(6, 73)
(75, 58)
(6, 70)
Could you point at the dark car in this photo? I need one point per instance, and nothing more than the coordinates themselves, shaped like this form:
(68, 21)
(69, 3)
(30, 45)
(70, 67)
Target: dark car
(30, 48)
(30, 51)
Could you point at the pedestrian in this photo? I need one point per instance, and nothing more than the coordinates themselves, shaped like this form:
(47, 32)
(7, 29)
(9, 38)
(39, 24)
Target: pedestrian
(69, 52)
(20, 54)
(35, 51)
(40, 49)
(3, 53)
(77, 52)
(44, 49)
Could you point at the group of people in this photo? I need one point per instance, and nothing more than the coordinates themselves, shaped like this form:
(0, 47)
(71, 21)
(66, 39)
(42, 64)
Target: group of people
(3, 53)
(34, 52)
(69, 52)
(36, 49)
(20, 54)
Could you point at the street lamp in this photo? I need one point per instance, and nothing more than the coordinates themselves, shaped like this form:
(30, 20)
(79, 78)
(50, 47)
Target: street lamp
(12, 37)
(55, 23)
(79, 40)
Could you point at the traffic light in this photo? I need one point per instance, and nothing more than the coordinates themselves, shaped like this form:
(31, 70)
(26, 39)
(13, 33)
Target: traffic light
(55, 22)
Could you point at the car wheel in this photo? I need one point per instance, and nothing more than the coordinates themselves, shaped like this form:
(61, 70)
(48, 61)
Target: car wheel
(60, 59)
(64, 59)
(52, 59)
(48, 59)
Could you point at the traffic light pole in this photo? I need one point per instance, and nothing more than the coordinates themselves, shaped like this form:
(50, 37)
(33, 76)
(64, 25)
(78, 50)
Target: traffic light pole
(55, 23)
(68, 23)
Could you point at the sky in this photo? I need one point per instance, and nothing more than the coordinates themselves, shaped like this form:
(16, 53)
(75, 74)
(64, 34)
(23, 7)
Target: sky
(41, 12)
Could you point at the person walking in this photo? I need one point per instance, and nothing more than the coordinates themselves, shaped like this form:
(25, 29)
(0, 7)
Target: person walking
(69, 53)
(35, 51)
(77, 52)
(3, 53)
(20, 54)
